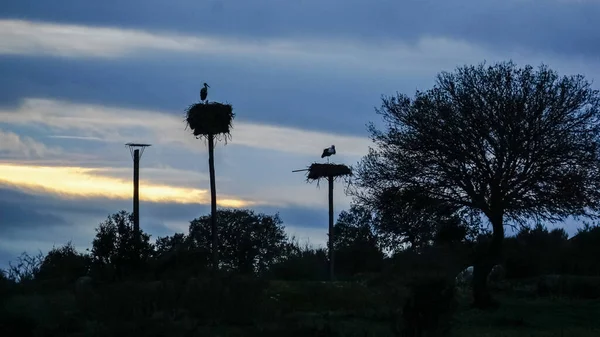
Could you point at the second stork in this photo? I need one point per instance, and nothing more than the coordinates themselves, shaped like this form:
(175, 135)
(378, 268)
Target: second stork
(330, 151)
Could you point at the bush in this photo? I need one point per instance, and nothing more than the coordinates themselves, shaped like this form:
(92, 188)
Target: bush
(5, 285)
(25, 269)
(582, 252)
(302, 264)
(535, 251)
(64, 265)
(231, 299)
(352, 298)
(430, 306)
(176, 258)
(115, 253)
(225, 300)
(36, 315)
(582, 287)
(327, 309)
(429, 275)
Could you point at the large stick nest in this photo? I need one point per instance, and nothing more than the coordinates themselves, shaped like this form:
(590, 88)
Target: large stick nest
(212, 118)
(318, 171)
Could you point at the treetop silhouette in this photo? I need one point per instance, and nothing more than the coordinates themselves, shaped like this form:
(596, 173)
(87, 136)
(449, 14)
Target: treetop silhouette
(511, 143)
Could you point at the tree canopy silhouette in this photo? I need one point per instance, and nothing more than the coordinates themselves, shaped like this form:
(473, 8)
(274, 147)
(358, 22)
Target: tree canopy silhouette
(113, 246)
(64, 264)
(511, 143)
(409, 218)
(356, 242)
(248, 242)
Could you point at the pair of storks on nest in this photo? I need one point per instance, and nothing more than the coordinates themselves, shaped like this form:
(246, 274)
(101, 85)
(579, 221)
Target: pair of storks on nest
(326, 152)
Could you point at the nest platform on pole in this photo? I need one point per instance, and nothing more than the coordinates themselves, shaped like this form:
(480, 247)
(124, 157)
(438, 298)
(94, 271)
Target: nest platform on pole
(212, 118)
(329, 171)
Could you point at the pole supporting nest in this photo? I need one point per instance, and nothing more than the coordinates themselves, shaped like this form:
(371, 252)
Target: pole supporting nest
(211, 121)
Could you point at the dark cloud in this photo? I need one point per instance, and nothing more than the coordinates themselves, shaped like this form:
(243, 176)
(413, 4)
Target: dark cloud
(17, 210)
(563, 26)
(333, 102)
(47, 204)
(300, 216)
(22, 212)
(5, 258)
(156, 213)
(183, 213)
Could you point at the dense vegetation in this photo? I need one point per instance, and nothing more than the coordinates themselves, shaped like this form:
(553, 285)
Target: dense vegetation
(268, 284)
(488, 145)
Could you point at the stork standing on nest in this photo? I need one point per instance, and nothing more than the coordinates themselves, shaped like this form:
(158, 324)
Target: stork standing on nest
(330, 151)
(204, 92)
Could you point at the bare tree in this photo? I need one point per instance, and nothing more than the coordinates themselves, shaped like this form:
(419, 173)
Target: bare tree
(511, 143)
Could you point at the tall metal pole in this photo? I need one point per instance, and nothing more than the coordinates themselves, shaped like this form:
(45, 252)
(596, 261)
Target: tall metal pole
(331, 234)
(136, 151)
(136, 195)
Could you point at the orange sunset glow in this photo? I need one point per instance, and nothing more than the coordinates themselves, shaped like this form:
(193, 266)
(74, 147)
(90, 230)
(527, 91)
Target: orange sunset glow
(73, 182)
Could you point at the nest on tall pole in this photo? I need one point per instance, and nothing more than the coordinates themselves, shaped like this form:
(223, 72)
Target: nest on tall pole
(212, 118)
(318, 171)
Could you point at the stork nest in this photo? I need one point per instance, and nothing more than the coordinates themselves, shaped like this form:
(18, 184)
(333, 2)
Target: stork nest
(212, 118)
(318, 171)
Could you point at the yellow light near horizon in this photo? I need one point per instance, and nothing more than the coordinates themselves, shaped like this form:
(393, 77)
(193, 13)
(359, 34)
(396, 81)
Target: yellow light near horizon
(83, 182)
(233, 203)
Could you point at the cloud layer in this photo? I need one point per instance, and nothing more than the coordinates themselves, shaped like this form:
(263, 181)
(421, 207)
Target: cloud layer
(560, 26)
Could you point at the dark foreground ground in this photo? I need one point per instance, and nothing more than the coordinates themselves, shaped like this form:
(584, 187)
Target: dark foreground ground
(531, 317)
(275, 309)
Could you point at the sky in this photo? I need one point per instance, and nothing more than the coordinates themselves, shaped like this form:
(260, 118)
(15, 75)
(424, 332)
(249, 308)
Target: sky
(79, 79)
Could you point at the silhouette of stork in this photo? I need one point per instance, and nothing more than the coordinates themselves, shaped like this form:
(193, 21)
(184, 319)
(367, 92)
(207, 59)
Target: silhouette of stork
(330, 151)
(204, 92)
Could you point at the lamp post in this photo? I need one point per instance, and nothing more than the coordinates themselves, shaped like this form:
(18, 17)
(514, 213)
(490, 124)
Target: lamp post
(136, 154)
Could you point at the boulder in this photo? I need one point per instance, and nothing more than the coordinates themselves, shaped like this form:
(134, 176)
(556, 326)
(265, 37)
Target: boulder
(498, 274)
(84, 284)
(465, 277)
(549, 285)
(84, 292)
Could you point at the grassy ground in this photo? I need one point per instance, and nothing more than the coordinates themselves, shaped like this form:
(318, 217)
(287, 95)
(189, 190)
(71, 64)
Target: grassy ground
(531, 317)
(307, 306)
